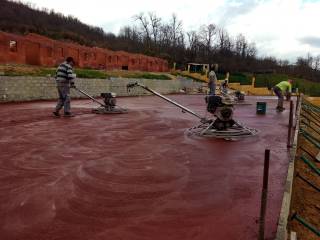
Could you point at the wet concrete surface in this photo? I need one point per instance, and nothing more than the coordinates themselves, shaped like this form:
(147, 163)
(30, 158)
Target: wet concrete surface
(138, 175)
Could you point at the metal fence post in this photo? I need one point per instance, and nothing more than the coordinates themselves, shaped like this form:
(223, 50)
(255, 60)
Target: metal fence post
(264, 194)
(290, 124)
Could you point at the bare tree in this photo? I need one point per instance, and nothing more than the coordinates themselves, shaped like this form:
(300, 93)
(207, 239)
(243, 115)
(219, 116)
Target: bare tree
(225, 42)
(155, 26)
(283, 63)
(207, 34)
(316, 63)
(193, 39)
(241, 46)
(251, 50)
(176, 29)
(301, 62)
(309, 60)
(145, 26)
(193, 44)
(164, 36)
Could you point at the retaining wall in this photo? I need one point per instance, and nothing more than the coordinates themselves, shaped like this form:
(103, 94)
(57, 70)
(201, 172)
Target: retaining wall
(44, 88)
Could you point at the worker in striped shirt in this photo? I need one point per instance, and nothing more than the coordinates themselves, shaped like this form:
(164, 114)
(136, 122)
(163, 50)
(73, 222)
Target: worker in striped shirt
(281, 89)
(65, 81)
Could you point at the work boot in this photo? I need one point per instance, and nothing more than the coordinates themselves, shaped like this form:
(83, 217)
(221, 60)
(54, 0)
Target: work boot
(68, 114)
(56, 114)
(280, 109)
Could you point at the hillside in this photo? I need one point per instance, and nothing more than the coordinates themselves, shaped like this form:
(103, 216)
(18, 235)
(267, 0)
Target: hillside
(150, 35)
(17, 17)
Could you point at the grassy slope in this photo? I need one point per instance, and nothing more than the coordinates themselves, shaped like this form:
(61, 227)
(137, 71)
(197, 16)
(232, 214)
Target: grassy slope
(243, 79)
(269, 80)
(24, 70)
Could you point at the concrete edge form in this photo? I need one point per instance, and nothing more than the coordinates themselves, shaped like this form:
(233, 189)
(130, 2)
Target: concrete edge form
(282, 233)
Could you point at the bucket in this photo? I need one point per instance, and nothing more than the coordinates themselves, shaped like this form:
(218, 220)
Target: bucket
(261, 107)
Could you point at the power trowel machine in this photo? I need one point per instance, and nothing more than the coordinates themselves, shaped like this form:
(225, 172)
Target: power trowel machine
(222, 125)
(109, 103)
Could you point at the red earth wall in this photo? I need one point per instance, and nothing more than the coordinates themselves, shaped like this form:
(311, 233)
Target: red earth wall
(35, 49)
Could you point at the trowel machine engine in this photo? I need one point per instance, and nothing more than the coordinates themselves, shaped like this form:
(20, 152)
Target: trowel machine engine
(239, 95)
(109, 100)
(236, 96)
(222, 111)
(110, 104)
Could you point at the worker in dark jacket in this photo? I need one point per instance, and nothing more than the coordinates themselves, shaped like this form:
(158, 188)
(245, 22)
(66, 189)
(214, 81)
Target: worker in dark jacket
(65, 81)
(281, 89)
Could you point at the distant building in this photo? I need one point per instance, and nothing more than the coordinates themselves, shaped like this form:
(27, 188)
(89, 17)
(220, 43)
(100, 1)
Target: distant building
(38, 50)
(201, 67)
(197, 67)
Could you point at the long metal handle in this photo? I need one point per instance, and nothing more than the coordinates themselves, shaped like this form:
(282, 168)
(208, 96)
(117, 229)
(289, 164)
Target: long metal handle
(165, 98)
(93, 99)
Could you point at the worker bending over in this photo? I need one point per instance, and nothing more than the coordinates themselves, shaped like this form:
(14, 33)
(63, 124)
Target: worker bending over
(281, 89)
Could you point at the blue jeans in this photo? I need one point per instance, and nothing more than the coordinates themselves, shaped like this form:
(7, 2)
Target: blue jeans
(279, 94)
(212, 87)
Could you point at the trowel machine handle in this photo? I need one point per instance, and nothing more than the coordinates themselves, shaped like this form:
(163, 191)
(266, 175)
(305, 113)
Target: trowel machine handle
(184, 109)
(86, 94)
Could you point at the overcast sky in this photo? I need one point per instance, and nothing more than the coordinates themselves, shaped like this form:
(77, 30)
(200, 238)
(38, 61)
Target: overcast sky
(281, 28)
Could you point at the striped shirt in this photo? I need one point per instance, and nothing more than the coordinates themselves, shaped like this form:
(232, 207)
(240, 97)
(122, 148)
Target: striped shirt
(64, 74)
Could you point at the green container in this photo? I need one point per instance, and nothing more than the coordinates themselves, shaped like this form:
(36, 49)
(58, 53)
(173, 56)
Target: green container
(261, 107)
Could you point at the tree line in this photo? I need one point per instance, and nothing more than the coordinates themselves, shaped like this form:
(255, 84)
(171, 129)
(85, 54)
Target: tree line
(151, 35)
(18, 17)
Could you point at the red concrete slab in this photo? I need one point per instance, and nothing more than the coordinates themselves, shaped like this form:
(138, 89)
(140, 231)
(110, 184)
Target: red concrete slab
(136, 175)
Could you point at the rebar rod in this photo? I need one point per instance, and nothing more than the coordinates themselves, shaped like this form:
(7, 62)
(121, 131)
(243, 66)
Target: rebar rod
(311, 139)
(306, 224)
(308, 182)
(311, 165)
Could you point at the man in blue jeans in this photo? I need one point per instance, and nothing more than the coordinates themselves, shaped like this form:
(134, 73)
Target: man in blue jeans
(65, 81)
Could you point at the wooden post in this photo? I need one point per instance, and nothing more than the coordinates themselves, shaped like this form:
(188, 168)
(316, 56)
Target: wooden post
(264, 194)
(253, 81)
(227, 77)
